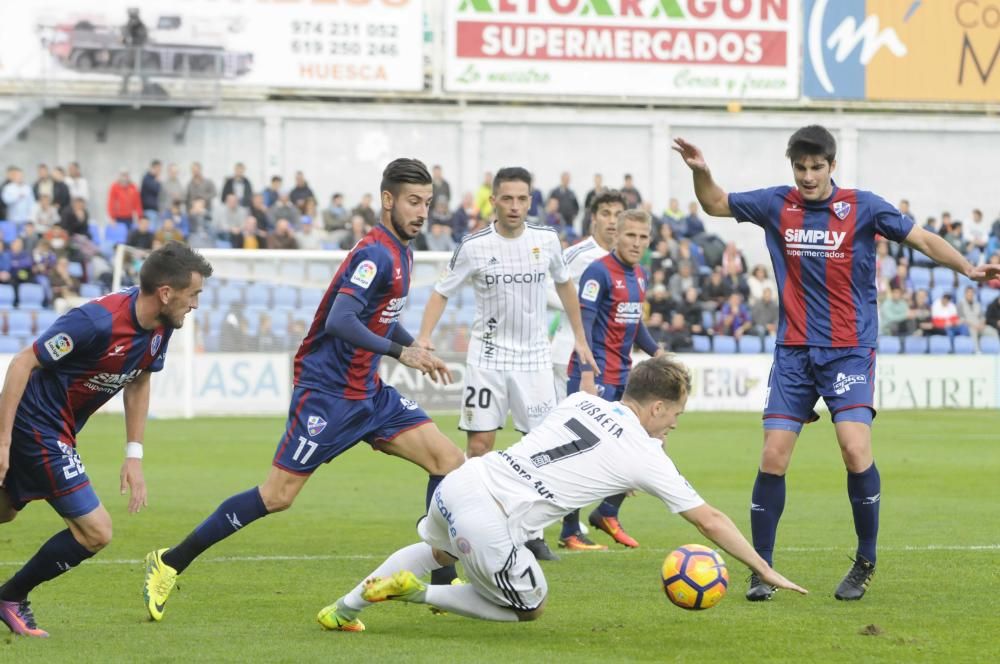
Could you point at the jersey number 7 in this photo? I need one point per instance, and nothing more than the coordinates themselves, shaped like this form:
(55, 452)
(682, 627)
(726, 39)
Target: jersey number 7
(585, 440)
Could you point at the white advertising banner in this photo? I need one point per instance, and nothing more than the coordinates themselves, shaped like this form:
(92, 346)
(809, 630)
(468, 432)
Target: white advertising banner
(341, 44)
(730, 49)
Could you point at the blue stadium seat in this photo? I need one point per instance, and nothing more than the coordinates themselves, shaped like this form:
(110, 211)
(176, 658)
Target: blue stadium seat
(44, 320)
(749, 343)
(943, 276)
(19, 324)
(320, 272)
(327, 245)
(938, 291)
(889, 345)
(208, 297)
(707, 320)
(286, 296)
(987, 295)
(294, 271)
(253, 321)
(6, 296)
(770, 341)
(724, 344)
(227, 295)
(212, 342)
(964, 346)
(8, 231)
(939, 345)
(95, 233)
(702, 343)
(920, 258)
(90, 291)
(921, 277)
(30, 297)
(76, 270)
(259, 295)
(915, 345)
(311, 297)
(115, 233)
(989, 345)
(10, 345)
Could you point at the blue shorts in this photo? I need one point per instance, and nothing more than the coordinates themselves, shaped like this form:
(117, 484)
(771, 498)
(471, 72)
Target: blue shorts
(44, 468)
(321, 426)
(800, 375)
(605, 391)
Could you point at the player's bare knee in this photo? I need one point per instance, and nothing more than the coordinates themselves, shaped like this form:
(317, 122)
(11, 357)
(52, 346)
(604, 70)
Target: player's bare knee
(7, 514)
(277, 501)
(95, 536)
(534, 614)
(775, 461)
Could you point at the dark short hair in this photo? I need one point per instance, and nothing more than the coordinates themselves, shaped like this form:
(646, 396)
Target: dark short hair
(154, 163)
(812, 141)
(172, 265)
(659, 378)
(606, 198)
(404, 170)
(511, 174)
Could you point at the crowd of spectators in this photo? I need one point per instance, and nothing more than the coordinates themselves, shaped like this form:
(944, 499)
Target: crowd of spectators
(699, 285)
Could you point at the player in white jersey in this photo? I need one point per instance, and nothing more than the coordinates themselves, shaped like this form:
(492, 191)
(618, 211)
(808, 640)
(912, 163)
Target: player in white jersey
(482, 513)
(604, 210)
(509, 365)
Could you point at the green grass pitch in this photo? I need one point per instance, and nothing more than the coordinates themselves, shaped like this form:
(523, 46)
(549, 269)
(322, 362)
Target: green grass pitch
(254, 597)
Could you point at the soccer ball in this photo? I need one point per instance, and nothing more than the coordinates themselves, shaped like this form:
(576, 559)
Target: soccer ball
(694, 577)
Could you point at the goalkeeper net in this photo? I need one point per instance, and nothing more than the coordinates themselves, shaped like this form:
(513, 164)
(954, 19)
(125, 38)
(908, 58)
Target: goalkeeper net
(234, 354)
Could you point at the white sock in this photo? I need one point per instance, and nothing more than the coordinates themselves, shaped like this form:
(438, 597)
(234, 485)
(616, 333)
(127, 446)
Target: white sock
(418, 558)
(465, 601)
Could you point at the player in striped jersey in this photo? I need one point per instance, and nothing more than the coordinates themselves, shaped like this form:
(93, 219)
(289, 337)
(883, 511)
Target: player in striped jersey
(338, 399)
(604, 210)
(612, 293)
(822, 244)
(86, 357)
(509, 365)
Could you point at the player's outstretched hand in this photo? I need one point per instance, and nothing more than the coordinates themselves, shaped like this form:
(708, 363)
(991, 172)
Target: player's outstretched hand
(691, 155)
(132, 479)
(426, 362)
(772, 578)
(585, 356)
(985, 273)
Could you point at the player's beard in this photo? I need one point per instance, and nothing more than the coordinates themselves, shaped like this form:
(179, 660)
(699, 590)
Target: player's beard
(400, 227)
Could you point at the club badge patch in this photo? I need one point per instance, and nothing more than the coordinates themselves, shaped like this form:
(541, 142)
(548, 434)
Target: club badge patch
(154, 345)
(590, 290)
(841, 209)
(315, 425)
(59, 345)
(364, 274)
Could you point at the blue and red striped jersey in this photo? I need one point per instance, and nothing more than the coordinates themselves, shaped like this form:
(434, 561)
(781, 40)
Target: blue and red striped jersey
(823, 254)
(88, 355)
(377, 274)
(614, 292)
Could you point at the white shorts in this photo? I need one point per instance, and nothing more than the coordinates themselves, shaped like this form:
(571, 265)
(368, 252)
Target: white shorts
(464, 520)
(488, 394)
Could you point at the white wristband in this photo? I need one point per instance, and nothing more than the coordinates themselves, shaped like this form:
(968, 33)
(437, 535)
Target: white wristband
(133, 450)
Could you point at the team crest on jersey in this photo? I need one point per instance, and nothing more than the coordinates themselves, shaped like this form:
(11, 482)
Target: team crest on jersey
(841, 209)
(590, 290)
(536, 253)
(154, 345)
(642, 283)
(59, 345)
(315, 425)
(364, 274)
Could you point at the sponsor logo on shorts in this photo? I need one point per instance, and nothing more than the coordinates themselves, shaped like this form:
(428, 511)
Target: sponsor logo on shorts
(844, 382)
(590, 290)
(408, 404)
(59, 345)
(364, 274)
(315, 425)
(539, 408)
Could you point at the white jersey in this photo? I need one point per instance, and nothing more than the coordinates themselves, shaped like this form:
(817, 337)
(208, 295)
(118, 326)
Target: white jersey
(578, 258)
(509, 276)
(586, 449)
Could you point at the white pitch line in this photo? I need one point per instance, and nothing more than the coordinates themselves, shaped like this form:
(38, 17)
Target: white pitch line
(372, 556)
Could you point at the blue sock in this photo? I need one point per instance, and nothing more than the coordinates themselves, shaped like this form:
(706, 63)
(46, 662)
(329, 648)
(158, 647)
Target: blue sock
(766, 505)
(865, 491)
(441, 576)
(571, 524)
(60, 554)
(234, 513)
(610, 505)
